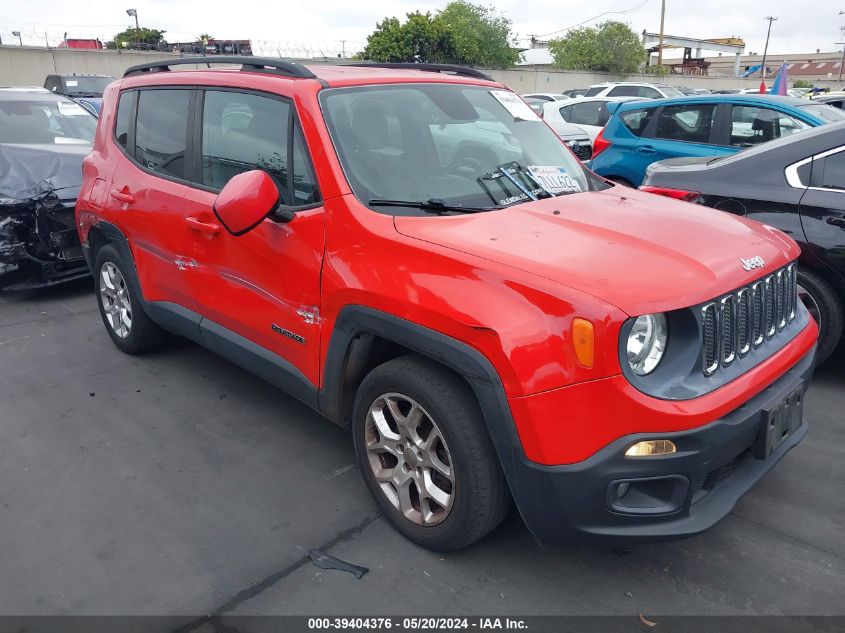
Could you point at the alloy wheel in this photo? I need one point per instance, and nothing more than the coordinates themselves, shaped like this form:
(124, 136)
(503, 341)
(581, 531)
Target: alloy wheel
(114, 296)
(409, 459)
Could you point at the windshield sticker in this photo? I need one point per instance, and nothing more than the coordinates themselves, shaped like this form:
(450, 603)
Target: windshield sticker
(71, 82)
(514, 104)
(71, 109)
(554, 179)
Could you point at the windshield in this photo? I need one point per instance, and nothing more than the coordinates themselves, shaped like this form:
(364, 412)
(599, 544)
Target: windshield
(46, 123)
(670, 91)
(826, 113)
(91, 86)
(456, 145)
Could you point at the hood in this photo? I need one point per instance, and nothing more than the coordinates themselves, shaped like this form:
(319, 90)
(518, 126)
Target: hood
(640, 252)
(31, 171)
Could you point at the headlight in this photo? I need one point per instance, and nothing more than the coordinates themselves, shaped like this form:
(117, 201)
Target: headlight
(646, 343)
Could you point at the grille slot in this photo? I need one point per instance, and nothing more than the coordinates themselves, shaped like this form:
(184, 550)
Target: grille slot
(741, 321)
(728, 329)
(584, 151)
(711, 340)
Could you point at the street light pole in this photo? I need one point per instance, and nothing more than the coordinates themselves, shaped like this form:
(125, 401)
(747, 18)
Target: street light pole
(842, 61)
(660, 40)
(131, 13)
(766, 49)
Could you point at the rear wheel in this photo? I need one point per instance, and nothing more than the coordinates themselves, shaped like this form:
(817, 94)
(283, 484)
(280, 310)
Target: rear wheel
(825, 306)
(426, 456)
(120, 308)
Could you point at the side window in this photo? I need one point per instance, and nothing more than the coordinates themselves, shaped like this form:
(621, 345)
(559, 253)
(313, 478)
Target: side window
(751, 125)
(565, 112)
(305, 189)
(625, 91)
(686, 123)
(161, 130)
(648, 93)
(241, 132)
(592, 92)
(637, 120)
(52, 83)
(586, 113)
(829, 172)
(123, 118)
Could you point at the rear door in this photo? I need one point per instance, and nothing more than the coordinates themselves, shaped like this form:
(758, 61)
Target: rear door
(822, 209)
(146, 195)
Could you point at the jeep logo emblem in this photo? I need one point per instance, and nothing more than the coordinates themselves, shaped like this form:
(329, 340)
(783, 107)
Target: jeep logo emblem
(752, 262)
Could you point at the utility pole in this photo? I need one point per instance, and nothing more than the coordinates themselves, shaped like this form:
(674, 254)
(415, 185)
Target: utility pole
(343, 48)
(660, 41)
(842, 61)
(766, 49)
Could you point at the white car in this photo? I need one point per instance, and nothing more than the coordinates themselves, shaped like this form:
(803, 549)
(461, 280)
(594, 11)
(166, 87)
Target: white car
(588, 113)
(632, 89)
(545, 96)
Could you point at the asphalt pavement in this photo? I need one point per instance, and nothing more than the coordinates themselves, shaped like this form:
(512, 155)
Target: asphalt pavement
(178, 484)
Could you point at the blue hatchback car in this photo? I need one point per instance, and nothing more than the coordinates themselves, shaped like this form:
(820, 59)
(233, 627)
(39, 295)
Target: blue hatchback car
(639, 133)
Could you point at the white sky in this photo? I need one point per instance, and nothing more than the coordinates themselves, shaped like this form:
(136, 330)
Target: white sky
(300, 27)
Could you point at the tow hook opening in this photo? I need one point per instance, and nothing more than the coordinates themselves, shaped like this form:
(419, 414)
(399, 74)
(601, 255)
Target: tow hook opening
(652, 495)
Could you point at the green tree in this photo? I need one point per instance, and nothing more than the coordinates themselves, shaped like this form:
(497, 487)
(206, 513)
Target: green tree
(149, 37)
(608, 47)
(482, 36)
(462, 33)
(204, 38)
(419, 39)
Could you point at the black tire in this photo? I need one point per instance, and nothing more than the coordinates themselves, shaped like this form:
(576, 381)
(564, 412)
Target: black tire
(480, 494)
(828, 306)
(144, 335)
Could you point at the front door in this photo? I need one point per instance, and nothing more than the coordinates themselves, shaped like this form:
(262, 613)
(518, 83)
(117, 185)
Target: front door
(822, 209)
(264, 285)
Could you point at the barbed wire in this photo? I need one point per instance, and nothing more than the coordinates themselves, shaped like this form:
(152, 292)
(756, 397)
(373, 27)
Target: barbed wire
(33, 35)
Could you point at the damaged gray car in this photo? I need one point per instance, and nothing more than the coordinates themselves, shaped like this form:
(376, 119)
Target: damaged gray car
(43, 139)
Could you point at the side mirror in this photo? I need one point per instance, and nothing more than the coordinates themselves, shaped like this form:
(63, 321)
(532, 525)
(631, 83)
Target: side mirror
(246, 200)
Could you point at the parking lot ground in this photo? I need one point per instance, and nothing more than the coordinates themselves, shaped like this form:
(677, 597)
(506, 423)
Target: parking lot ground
(179, 484)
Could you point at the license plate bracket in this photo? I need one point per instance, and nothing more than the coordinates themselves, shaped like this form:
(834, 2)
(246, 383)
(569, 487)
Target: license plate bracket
(780, 422)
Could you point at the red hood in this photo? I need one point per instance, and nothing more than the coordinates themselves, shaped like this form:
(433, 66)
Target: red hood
(641, 252)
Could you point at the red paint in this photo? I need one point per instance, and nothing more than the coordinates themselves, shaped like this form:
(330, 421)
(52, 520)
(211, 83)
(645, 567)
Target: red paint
(602, 257)
(676, 194)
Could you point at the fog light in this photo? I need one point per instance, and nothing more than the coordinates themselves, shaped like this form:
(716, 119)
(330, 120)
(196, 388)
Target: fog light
(651, 447)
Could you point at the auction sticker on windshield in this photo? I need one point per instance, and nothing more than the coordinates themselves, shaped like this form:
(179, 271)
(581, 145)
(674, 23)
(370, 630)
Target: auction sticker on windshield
(517, 108)
(554, 179)
(71, 109)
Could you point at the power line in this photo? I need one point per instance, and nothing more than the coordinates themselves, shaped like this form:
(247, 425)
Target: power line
(608, 12)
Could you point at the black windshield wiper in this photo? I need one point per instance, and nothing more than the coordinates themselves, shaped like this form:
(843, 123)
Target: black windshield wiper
(432, 205)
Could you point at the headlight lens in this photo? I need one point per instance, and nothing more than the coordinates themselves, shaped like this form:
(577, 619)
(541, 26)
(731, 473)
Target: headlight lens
(646, 343)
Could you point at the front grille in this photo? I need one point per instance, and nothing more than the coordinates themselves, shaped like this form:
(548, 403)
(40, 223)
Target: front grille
(741, 321)
(583, 150)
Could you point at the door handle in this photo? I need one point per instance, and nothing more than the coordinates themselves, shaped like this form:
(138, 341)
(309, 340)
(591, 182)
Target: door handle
(123, 195)
(646, 149)
(209, 229)
(840, 222)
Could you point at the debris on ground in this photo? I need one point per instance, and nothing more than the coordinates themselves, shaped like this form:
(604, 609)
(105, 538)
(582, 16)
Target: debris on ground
(325, 561)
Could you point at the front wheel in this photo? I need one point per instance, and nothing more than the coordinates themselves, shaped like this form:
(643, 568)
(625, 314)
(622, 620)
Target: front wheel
(425, 454)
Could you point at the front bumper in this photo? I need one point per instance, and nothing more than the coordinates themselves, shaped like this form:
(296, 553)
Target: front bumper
(714, 466)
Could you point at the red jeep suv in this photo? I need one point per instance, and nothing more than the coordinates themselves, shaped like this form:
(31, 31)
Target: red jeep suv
(412, 252)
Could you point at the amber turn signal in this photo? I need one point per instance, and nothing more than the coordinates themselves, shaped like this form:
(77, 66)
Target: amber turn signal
(583, 340)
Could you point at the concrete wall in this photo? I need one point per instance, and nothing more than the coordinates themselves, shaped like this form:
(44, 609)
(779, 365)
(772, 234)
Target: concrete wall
(535, 80)
(30, 65)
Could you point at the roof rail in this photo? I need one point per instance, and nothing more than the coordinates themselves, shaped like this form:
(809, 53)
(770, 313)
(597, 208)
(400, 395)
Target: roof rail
(463, 71)
(262, 64)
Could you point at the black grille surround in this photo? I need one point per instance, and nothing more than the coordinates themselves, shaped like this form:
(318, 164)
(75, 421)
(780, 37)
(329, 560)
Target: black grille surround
(712, 343)
(582, 149)
(735, 324)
